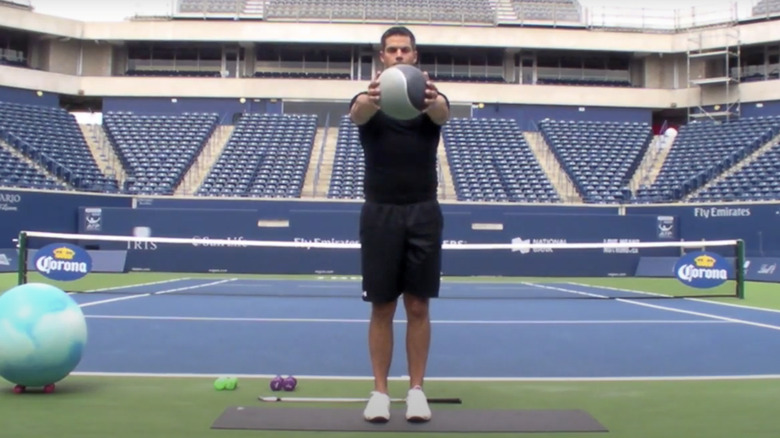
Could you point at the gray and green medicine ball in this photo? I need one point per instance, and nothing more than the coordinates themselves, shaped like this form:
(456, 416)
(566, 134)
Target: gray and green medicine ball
(402, 91)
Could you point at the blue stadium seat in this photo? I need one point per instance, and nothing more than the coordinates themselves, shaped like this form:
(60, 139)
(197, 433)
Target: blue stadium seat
(17, 172)
(266, 157)
(758, 180)
(704, 150)
(491, 161)
(51, 137)
(157, 150)
(457, 11)
(346, 179)
(600, 157)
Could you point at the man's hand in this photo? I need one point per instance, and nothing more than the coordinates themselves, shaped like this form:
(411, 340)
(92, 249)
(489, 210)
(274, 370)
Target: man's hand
(373, 90)
(431, 92)
(435, 105)
(366, 105)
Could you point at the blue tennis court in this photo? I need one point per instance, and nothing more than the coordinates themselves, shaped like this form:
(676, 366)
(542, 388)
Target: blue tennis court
(318, 328)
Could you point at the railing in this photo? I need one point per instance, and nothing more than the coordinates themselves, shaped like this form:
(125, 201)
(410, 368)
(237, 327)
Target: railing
(647, 19)
(319, 158)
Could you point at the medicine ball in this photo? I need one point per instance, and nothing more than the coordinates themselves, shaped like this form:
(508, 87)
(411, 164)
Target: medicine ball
(402, 91)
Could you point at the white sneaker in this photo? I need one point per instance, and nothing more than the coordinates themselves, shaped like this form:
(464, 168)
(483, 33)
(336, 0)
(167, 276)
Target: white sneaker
(378, 408)
(417, 409)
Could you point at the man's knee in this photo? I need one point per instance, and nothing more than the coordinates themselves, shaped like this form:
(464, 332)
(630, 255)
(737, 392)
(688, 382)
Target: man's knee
(383, 311)
(416, 307)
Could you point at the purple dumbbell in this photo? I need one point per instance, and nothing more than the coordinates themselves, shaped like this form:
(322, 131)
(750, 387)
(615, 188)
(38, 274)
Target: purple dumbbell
(277, 383)
(290, 383)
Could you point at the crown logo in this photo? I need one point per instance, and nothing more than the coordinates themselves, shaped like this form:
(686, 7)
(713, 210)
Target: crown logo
(704, 261)
(64, 253)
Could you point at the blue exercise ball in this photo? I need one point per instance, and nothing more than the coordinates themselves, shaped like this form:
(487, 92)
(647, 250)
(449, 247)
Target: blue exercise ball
(42, 335)
(402, 91)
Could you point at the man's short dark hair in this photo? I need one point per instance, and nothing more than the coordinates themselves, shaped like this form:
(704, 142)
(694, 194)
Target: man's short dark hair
(399, 30)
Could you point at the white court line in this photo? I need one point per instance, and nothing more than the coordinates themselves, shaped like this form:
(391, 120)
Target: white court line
(129, 286)
(247, 285)
(560, 289)
(739, 306)
(166, 291)
(402, 321)
(698, 300)
(689, 312)
(439, 379)
(638, 292)
(706, 315)
(324, 286)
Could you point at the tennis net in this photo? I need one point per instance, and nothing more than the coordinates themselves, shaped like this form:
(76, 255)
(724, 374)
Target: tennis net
(113, 264)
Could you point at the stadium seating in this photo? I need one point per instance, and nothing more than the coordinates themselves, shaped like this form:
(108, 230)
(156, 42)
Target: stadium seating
(547, 10)
(157, 150)
(766, 7)
(491, 161)
(346, 180)
(175, 73)
(15, 172)
(471, 11)
(300, 75)
(466, 78)
(14, 58)
(599, 156)
(211, 6)
(757, 181)
(266, 157)
(704, 150)
(51, 137)
(590, 82)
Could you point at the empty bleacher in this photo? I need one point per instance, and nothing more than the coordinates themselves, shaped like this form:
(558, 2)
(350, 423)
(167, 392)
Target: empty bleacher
(210, 6)
(156, 150)
(51, 137)
(766, 8)
(758, 180)
(704, 150)
(174, 73)
(547, 10)
(458, 11)
(490, 160)
(346, 180)
(599, 156)
(16, 172)
(585, 82)
(266, 157)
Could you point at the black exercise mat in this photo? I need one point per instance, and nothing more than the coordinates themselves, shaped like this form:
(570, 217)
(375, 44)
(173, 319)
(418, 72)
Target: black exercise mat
(445, 420)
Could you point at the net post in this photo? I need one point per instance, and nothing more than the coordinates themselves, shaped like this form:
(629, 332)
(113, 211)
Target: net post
(740, 269)
(22, 262)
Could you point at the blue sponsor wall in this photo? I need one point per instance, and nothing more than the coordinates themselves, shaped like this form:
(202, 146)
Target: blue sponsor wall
(756, 268)
(756, 109)
(757, 224)
(28, 97)
(528, 116)
(323, 221)
(45, 211)
(226, 108)
(341, 226)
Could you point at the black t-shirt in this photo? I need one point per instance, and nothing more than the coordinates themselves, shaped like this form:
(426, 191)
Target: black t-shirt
(400, 158)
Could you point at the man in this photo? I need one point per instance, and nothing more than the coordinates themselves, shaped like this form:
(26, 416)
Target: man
(400, 226)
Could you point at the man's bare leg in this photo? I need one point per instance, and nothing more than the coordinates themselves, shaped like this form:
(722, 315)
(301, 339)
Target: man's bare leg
(380, 342)
(418, 337)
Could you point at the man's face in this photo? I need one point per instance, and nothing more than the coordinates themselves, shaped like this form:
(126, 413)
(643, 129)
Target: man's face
(398, 50)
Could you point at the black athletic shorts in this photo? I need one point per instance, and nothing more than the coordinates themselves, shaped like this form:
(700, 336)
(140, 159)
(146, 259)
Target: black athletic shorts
(400, 250)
